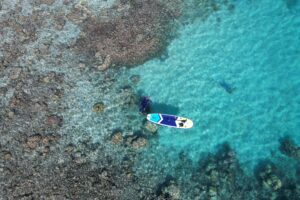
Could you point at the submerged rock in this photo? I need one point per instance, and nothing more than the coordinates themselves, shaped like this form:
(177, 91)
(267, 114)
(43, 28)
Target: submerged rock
(40, 143)
(98, 107)
(139, 143)
(169, 189)
(117, 138)
(6, 155)
(269, 178)
(136, 141)
(106, 64)
(212, 193)
(173, 191)
(33, 141)
(151, 127)
(135, 79)
(127, 96)
(289, 148)
(69, 148)
(47, 2)
(273, 182)
(54, 121)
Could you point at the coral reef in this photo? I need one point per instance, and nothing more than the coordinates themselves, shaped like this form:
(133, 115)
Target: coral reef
(222, 175)
(219, 176)
(32, 101)
(136, 31)
(29, 128)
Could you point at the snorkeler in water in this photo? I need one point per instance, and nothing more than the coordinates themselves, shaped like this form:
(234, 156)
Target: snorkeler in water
(144, 105)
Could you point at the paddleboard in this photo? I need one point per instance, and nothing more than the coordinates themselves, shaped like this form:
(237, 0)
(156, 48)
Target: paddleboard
(170, 120)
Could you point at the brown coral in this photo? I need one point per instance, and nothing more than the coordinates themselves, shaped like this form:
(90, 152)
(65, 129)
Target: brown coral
(117, 138)
(43, 142)
(137, 33)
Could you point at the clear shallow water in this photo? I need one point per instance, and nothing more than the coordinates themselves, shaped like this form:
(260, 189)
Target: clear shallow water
(256, 49)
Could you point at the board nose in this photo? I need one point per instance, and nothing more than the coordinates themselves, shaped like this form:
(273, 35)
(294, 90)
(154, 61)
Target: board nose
(189, 124)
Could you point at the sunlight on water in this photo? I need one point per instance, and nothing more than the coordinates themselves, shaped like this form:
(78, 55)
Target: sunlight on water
(236, 75)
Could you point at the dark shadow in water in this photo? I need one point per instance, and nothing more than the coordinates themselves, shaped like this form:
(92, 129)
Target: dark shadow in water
(262, 168)
(229, 88)
(221, 154)
(168, 181)
(298, 171)
(290, 4)
(141, 93)
(164, 108)
(289, 147)
(222, 149)
(156, 107)
(164, 55)
(204, 158)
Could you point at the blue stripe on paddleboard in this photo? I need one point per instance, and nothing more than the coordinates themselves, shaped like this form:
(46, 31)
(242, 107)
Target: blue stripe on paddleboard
(168, 120)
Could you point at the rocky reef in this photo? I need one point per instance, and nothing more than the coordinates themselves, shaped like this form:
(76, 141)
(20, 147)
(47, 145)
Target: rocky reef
(128, 34)
(47, 78)
(220, 176)
(69, 121)
(289, 148)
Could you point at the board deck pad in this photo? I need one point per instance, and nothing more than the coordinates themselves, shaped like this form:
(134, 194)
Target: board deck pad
(170, 120)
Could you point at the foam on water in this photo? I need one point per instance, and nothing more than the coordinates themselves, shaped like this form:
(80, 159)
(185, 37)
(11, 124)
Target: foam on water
(256, 50)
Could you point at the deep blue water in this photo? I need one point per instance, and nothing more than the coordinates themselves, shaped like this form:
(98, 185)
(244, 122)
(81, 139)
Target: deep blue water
(237, 76)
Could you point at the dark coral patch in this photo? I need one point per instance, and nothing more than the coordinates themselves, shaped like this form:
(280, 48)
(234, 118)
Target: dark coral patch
(136, 33)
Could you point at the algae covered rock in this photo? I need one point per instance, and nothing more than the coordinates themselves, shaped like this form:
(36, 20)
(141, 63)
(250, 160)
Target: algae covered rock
(54, 121)
(212, 193)
(117, 138)
(289, 148)
(169, 189)
(151, 127)
(269, 178)
(98, 107)
(136, 141)
(69, 148)
(135, 79)
(33, 141)
(40, 143)
(139, 143)
(6, 155)
(273, 182)
(173, 191)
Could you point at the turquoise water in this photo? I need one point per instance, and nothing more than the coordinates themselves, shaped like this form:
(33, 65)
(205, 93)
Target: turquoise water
(256, 50)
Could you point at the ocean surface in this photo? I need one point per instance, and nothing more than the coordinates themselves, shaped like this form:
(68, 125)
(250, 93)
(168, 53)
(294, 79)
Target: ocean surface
(236, 74)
